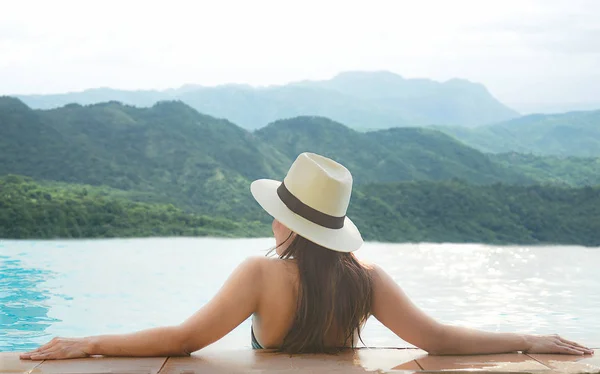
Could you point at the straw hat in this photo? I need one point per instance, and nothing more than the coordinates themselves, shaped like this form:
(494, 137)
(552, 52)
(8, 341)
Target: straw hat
(312, 201)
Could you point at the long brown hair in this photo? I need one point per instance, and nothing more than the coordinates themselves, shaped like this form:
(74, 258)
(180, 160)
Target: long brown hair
(334, 297)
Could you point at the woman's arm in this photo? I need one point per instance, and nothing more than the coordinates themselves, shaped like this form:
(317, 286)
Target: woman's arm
(160, 341)
(462, 340)
(233, 304)
(393, 308)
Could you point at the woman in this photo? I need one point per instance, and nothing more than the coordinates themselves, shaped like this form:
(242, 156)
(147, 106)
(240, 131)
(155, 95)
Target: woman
(314, 297)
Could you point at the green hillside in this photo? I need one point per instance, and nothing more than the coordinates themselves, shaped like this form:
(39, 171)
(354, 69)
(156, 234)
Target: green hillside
(399, 154)
(33, 210)
(557, 170)
(456, 212)
(29, 146)
(567, 134)
(436, 156)
(197, 162)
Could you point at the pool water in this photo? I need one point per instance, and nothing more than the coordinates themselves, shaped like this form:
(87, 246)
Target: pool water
(81, 288)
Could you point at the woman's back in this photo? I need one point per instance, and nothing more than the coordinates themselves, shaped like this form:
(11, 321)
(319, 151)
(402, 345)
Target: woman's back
(276, 312)
(312, 299)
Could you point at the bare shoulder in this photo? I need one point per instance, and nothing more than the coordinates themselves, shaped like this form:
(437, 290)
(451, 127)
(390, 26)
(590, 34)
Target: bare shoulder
(382, 281)
(255, 261)
(261, 261)
(375, 271)
(254, 265)
(264, 265)
(251, 269)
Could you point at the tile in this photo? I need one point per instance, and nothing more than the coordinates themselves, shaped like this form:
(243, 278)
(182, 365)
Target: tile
(359, 361)
(390, 359)
(363, 360)
(570, 363)
(512, 362)
(97, 365)
(10, 363)
(201, 362)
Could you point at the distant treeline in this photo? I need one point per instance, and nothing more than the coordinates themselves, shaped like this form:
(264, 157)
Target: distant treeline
(454, 211)
(449, 211)
(32, 210)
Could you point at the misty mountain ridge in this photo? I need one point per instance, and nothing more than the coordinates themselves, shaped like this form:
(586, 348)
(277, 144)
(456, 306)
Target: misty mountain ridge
(565, 134)
(360, 100)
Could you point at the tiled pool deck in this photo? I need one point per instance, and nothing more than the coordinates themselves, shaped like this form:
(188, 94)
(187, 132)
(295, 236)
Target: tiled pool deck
(365, 360)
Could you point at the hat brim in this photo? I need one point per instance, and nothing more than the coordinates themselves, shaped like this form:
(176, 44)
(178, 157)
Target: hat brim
(346, 239)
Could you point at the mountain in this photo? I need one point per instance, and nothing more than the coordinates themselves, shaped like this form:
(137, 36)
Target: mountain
(170, 144)
(399, 154)
(30, 147)
(110, 169)
(198, 161)
(168, 150)
(361, 100)
(171, 153)
(566, 134)
(419, 101)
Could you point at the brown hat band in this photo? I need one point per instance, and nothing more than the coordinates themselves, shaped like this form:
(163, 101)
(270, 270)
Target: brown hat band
(307, 212)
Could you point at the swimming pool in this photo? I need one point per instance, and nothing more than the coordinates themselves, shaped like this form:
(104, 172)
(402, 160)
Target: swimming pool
(79, 288)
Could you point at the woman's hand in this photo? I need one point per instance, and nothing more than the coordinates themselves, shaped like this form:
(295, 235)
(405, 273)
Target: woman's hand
(555, 344)
(58, 349)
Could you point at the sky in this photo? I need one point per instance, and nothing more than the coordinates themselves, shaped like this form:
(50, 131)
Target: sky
(530, 54)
